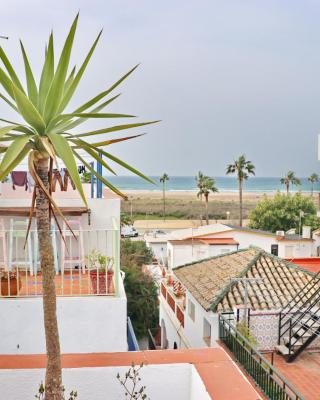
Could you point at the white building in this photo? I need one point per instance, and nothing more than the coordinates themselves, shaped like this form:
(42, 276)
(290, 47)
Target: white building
(190, 245)
(190, 308)
(92, 313)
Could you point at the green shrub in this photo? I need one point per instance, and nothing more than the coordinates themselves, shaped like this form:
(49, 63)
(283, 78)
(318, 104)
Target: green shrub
(142, 300)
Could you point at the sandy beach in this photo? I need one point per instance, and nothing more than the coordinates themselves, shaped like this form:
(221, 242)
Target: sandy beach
(192, 195)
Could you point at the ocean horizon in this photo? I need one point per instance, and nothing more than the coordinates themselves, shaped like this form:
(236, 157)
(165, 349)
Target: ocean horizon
(224, 184)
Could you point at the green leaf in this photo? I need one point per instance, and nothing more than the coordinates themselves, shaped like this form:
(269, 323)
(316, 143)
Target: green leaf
(69, 80)
(31, 83)
(112, 141)
(47, 74)
(28, 111)
(126, 166)
(101, 178)
(19, 127)
(71, 89)
(64, 152)
(13, 153)
(6, 129)
(8, 102)
(16, 161)
(63, 126)
(91, 115)
(113, 158)
(93, 153)
(55, 93)
(6, 83)
(114, 129)
(101, 95)
(10, 69)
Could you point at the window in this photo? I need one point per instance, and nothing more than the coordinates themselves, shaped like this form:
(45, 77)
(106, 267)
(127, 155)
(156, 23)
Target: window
(206, 332)
(191, 310)
(275, 249)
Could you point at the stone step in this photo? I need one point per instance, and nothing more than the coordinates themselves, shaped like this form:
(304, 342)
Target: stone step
(282, 349)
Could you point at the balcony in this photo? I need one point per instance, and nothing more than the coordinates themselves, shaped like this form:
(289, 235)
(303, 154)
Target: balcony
(173, 293)
(86, 264)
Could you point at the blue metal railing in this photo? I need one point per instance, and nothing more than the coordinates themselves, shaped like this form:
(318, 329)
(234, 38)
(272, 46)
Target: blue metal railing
(131, 337)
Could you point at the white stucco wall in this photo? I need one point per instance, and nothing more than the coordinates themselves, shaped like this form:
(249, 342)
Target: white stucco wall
(194, 329)
(174, 332)
(164, 381)
(88, 324)
(191, 335)
(159, 250)
(246, 239)
(183, 254)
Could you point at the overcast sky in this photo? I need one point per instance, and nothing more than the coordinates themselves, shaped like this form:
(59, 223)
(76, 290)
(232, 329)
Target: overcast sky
(225, 77)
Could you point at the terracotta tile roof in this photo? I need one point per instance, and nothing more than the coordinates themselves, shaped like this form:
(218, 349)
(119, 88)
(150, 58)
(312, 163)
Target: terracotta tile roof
(209, 281)
(204, 240)
(218, 241)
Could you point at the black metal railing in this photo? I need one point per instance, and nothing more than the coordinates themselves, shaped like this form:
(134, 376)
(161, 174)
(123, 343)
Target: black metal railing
(269, 380)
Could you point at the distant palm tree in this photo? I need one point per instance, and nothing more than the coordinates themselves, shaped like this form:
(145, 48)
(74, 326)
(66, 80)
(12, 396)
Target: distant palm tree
(313, 178)
(243, 169)
(288, 179)
(199, 180)
(207, 186)
(163, 179)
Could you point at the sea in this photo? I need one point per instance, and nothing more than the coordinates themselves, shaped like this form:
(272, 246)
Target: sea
(224, 184)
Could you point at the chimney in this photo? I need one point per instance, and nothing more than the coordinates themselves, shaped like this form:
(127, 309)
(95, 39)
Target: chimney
(306, 232)
(279, 235)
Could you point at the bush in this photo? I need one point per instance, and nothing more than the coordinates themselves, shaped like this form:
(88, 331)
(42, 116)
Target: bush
(283, 213)
(134, 252)
(142, 300)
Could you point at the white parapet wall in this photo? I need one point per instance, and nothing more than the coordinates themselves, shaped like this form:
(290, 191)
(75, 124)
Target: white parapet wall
(88, 324)
(163, 381)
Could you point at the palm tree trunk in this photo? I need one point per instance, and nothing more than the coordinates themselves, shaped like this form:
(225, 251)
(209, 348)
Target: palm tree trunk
(240, 201)
(53, 381)
(207, 214)
(287, 186)
(312, 189)
(164, 202)
(201, 210)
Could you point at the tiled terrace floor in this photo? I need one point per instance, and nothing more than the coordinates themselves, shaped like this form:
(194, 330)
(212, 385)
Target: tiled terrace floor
(303, 373)
(72, 283)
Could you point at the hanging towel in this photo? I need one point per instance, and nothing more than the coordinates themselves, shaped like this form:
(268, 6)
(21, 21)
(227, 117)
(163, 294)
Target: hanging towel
(19, 178)
(56, 177)
(66, 178)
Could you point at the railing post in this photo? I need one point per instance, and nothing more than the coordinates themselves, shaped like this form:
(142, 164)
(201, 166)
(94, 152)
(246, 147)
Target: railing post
(116, 253)
(290, 334)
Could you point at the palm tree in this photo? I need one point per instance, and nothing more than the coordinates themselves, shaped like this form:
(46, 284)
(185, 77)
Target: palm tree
(288, 179)
(207, 186)
(163, 179)
(199, 180)
(44, 137)
(313, 178)
(243, 169)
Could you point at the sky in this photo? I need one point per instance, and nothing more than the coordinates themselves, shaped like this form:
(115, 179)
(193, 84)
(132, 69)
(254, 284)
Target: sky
(224, 77)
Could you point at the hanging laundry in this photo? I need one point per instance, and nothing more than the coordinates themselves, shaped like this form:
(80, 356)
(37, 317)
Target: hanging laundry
(19, 178)
(66, 178)
(81, 169)
(56, 177)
